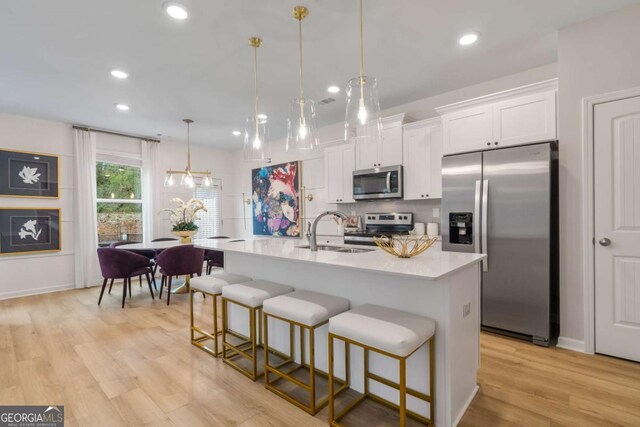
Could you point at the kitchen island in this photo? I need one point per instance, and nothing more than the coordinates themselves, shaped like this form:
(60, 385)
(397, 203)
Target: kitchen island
(444, 286)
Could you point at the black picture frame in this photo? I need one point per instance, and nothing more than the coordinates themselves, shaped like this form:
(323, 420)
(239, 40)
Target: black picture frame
(28, 174)
(29, 230)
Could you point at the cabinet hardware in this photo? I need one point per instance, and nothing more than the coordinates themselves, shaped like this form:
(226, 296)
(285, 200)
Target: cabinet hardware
(495, 143)
(604, 242)
(427, 195)
(488, 143)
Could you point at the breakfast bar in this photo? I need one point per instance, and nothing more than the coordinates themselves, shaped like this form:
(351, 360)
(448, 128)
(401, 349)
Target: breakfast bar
(443, 286)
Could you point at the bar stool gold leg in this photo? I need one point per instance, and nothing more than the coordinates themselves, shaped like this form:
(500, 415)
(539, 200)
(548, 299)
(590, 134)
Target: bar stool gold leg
(265, 357)
(432, 364)
(191, 315)
(403, 392)
(331, 388)
(312, 373)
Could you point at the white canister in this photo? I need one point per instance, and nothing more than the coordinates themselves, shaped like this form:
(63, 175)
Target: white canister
(433, 229)
(418, 229)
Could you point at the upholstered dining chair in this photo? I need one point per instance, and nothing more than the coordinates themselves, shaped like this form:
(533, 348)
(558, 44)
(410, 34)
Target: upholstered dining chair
(148, 253)
(157, 251)
(214, 258)
(122, 264)
(177, 261)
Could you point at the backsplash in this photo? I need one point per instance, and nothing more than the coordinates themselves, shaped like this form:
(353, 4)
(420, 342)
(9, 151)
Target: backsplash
(422, 209)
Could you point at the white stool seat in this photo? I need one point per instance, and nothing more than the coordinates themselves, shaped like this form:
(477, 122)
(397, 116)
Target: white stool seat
(214, 283)
(394, 331)
(306, 307)
(254, 293)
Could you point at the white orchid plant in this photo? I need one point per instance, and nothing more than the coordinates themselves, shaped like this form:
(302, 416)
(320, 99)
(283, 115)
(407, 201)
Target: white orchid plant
(185, 214)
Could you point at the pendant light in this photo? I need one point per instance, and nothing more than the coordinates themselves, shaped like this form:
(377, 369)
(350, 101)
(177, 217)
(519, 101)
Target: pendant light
(255, 131)
(363, 122)
(188, 177)
(301, 123)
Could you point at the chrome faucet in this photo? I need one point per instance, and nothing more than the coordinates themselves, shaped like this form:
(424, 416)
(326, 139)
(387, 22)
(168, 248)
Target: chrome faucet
(313, 245)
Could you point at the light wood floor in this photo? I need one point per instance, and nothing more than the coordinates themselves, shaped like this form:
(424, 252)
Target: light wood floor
(135, 366)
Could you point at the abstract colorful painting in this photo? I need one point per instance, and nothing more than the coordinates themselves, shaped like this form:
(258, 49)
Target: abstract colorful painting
(276, 200)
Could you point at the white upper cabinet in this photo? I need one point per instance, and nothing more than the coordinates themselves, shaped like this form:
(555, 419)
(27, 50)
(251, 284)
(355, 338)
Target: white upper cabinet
(387, 152)
(519, 116)
(339, 163)
(422, 146)
(467, 130)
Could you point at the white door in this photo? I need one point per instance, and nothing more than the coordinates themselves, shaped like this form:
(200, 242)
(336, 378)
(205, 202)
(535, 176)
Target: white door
(617, 227)
(524, 120)
(468, 130)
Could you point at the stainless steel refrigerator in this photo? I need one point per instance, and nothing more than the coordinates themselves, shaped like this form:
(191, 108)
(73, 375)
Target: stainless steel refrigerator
(504, 202)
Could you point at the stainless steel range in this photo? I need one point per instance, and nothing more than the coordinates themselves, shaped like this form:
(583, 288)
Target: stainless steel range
(380, 224)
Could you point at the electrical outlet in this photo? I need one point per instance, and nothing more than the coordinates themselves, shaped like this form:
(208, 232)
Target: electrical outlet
(436, 212)
(466, 309)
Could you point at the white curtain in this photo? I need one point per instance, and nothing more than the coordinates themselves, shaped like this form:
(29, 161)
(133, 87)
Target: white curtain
(87, 268)
(149, 188)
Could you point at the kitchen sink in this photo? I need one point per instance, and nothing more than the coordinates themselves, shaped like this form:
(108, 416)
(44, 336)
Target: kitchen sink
(340, 249)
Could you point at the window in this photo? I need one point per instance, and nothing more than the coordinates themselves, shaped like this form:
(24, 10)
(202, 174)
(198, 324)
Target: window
(210, 222)
(119, 203)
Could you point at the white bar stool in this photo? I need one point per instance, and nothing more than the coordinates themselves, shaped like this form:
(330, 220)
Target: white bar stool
(309, 311)
(249, 295)
(211, 285)
(392, 333)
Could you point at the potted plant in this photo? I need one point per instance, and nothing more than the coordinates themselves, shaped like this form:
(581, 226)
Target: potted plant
(183, 218)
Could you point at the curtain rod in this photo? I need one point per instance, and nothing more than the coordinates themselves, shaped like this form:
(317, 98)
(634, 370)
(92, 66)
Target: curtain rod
(108, 132)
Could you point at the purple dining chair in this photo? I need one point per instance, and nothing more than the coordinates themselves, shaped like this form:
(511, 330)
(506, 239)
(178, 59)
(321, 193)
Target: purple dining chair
(177, 261)
(148, 253)
(122, 264)
(157, 251)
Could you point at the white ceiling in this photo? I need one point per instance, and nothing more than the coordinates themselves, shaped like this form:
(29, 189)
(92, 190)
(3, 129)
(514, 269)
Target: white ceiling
(55, 56)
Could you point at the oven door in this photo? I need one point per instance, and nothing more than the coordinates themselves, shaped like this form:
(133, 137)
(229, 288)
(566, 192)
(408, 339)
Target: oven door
(378, 183)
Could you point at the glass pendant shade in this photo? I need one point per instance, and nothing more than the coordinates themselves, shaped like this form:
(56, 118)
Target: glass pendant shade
(363, 121)
(255, 139)
(301, 125)
(169, 181)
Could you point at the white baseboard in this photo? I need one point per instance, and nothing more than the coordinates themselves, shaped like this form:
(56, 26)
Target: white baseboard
(571, 344)
(466, 406)
(36, 291)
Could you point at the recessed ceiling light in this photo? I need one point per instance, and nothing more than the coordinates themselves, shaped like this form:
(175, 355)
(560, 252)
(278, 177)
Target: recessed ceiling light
(236, 133)
(122, 107)
(469, 38)
(176, 10)
(333, 89)
(119, 74)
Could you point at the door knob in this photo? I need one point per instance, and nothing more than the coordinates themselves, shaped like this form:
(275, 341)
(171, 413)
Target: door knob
(604, 242)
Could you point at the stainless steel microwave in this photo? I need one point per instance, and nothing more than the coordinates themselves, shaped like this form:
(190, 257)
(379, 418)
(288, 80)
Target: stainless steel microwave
(378, 183)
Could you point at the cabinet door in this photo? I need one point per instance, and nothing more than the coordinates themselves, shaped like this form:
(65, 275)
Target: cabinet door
(367, 154)
(391, 147)
(434, 173)
(415, 163)
(348, 166)
(526, 119)
(467, 130)
(333, 174)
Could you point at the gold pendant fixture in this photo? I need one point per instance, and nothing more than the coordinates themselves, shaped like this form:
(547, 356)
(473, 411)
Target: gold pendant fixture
(188, 177)
(255, 132)
(301, 123)
(363, 122)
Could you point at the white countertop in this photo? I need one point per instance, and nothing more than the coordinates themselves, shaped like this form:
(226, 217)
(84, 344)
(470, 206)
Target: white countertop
(433, 264)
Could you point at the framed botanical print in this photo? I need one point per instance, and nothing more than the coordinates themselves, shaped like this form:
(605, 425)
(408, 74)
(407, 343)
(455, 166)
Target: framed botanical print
(25, 174)
(29, 230)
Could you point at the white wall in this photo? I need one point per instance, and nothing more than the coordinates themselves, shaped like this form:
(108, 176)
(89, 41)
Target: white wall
(27, 274)
(594, 57)
(313, 161)
(32, 274)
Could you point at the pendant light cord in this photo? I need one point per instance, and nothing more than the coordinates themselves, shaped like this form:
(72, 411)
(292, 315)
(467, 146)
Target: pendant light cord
(255, 75)
(188, 148)
(361, 54)
(301, 73)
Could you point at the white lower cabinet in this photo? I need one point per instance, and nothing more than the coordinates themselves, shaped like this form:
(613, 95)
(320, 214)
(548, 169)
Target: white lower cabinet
(422, 145)
(339, 164)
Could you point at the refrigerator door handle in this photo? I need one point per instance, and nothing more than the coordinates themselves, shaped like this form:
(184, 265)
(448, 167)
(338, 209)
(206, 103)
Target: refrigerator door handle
(476, 218)
(485, 221)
